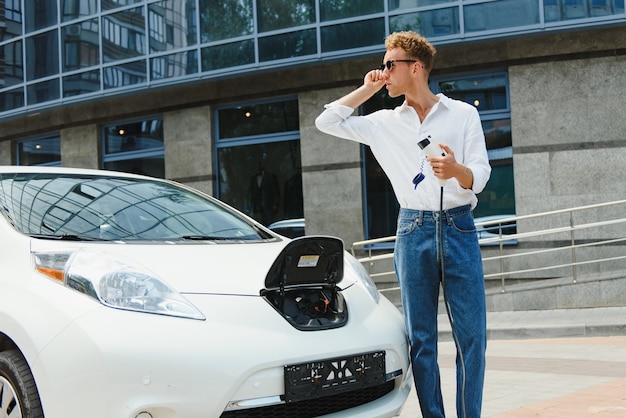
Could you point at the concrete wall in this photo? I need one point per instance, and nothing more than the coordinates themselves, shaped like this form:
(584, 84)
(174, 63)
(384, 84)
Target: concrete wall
(188, 147)
(80, 147)
(331, 174)
(5, 153)
(569, 132)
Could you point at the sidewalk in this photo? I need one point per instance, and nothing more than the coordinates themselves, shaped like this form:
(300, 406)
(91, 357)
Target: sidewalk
(560, 363)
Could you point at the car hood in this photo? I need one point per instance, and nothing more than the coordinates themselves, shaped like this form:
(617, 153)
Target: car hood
(222, 268)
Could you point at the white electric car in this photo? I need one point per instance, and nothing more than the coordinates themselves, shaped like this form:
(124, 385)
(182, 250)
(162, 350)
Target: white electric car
(124, 296)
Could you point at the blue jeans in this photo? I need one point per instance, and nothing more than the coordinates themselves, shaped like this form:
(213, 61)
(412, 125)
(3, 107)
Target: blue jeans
(417, 263)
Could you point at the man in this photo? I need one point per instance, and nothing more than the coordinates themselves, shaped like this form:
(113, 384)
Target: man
(436, 240)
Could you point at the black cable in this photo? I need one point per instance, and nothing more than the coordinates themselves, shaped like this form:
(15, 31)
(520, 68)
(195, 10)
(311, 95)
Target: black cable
(442, 279)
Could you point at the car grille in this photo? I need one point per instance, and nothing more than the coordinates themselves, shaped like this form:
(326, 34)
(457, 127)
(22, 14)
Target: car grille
(316, 407)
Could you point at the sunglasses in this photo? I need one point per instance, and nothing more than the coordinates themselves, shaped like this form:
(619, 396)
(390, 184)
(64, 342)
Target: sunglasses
(389, 64)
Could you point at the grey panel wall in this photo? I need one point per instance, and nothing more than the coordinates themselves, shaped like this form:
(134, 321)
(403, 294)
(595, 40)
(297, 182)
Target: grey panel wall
(5, 153)
(79, 147)
(188, 147)
(569, 133)
(331, 174)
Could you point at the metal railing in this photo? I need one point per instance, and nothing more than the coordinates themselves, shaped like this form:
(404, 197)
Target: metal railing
(536, 252)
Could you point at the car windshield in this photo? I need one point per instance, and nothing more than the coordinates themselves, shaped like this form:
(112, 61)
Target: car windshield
(78, 207)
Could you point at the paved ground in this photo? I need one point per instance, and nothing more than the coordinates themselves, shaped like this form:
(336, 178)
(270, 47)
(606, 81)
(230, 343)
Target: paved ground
(557, 364)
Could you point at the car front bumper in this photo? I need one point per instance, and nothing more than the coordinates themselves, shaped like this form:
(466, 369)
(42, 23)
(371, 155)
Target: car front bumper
(113, 363)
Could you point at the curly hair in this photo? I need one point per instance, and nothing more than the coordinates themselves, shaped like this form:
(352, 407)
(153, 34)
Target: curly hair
(415, 45)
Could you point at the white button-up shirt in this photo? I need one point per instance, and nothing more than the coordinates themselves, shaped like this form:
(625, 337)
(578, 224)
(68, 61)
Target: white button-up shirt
(393, 134)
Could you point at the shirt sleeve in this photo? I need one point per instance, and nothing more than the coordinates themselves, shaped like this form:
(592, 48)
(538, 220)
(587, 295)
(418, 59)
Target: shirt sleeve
(476, 158)
(337, 120)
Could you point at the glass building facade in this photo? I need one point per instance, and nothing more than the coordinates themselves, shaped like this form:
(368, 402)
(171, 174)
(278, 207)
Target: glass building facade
(95, 65)
(62, 51)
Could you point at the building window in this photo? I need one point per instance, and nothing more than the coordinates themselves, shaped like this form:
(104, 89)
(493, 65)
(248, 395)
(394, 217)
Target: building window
(258, 159)
(430, 23)
(333, 10)
(223, 19)
(134, 147)
(80, 46)
(137, 44)
(500, 14)
(39, 151)
(123, 35)
(39, 14)
(278, 14)
(489, 93)
(45, 47)
(350, 35)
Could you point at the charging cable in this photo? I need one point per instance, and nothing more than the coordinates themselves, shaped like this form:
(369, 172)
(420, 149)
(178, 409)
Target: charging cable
(442, 279)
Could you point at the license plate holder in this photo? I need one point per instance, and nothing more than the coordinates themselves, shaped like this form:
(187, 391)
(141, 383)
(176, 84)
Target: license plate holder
(321, 378)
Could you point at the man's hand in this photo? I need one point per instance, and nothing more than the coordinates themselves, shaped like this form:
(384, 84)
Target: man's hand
(373, 81)
(446, 167)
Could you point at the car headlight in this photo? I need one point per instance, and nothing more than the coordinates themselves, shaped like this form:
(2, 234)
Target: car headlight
(363, 277)
(114, 282)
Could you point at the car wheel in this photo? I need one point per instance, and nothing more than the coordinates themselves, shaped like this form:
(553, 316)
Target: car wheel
(19, 397)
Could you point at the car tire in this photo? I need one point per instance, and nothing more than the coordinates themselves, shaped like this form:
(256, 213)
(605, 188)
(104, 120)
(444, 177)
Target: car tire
(19, 397)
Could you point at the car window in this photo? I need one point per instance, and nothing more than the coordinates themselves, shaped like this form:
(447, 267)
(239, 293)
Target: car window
(114, 208)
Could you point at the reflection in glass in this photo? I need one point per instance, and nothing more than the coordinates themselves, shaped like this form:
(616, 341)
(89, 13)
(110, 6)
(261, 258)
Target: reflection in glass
(280, 14)
(262, 180)
(151, 166)
(113, 4)
(39, 14)
(382, 205)
(115, 208)
(258, 119)
(484, 92)
(40, 151)
(287, 45)
(171, 24)
(432, 23)
(42, 51)
(498, 197)
(10, 19)
(223, 19)
(228, 55)
(123, 35)
(13, 64)
(262, 177)
(74, 9)
(353, 35)
(125, 74)
(407, 4)
(341, 9)
(80, 45)
(500, 15)
(43, 92)
(133, 136)
(82, 83)
(11, 99)
(134, 147)
(174, 65)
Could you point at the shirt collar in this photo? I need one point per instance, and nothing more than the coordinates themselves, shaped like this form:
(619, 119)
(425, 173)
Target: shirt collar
(443, 100)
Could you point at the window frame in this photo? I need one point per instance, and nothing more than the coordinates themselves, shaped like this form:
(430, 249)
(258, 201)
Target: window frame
(52, 136)
(111, 157)
(242, 141)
